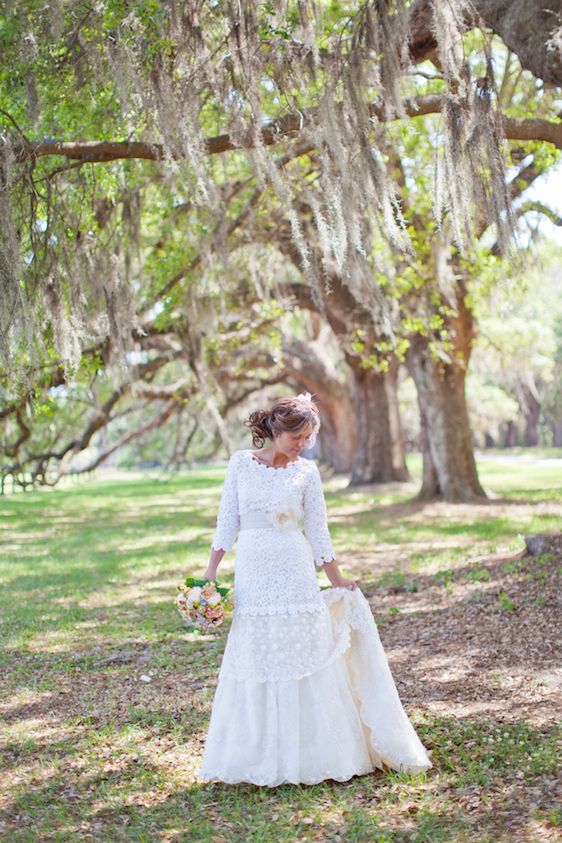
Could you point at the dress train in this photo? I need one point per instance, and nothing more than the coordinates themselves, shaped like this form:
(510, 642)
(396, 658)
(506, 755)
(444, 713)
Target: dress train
(335, 713)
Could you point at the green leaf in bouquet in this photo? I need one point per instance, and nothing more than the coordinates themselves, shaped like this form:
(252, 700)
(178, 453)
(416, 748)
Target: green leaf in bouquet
(191, 581)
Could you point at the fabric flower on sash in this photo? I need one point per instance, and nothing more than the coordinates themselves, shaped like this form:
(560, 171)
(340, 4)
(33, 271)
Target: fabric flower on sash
(285, 519)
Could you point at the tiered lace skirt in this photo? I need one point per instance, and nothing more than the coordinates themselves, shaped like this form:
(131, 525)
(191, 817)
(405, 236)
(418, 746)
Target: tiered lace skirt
(307, 696)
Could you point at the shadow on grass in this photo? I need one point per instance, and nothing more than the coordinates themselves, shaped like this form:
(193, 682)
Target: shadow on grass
(93, 751)
(126, 792)
(455, 632)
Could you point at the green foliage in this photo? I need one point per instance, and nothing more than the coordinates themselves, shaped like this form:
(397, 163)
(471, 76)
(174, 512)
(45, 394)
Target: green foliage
(377, 355)
(274, 25)
(479, 575)
(192, 224)
(191, 581)
(505, 602)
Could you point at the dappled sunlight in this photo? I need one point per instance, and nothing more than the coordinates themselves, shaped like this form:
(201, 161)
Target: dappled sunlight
(136, 594)
(60, 518)
(478, 636)
(429, 536)
(108, 695)
(138, 542)
(446, 668)
(59, 639)
(21, 550)
(53, 642)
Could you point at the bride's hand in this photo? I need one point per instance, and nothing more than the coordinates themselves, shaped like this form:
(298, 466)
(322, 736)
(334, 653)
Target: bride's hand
(351, 584)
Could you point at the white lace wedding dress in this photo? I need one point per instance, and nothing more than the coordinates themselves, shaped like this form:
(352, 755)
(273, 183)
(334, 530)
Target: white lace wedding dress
(304, 690)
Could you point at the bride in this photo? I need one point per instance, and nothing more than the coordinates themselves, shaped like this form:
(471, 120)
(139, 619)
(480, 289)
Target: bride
(304, 690)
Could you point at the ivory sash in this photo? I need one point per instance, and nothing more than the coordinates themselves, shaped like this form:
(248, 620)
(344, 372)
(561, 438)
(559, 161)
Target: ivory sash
(284, 520)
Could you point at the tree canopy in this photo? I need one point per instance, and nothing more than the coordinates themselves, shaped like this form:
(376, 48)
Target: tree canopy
(158, 158)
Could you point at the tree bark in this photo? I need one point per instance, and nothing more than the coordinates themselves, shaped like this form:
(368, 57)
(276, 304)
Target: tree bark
(511, 435)
(338, 434)
(101, 152)
(380, 456)
(396, 432)
(449, 467)
(542, 543)
(430, 487)
(557, 433)
(525, 26)
(532, 412)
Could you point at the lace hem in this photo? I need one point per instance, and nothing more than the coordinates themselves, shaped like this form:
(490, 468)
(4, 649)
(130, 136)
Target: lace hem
(277, 609)
(402, 750)
(412, 766)
(215, 545)
(323, 559)
(262, 781)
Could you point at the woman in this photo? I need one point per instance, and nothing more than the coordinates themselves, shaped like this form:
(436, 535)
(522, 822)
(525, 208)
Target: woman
(304, 690)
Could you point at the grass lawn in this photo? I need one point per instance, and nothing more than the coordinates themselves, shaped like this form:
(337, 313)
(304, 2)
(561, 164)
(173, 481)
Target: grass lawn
(106, 697)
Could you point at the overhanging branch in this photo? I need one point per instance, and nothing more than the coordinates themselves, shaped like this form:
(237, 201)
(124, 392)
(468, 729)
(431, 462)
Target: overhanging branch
(290, 125)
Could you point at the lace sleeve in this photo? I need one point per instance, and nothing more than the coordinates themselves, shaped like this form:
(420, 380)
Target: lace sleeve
(228, 518)
(316, 519)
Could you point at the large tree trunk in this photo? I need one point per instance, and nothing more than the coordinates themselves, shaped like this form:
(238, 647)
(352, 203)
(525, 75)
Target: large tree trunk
(307, 369)
(430, 487)
(510, 435)
(380, 456)
(532, 412)
(449, 465)
(396, 433)
(557, 433)
(338, 434)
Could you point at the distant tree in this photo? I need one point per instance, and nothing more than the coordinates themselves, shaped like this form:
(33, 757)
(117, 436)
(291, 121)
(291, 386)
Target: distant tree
(517, 347)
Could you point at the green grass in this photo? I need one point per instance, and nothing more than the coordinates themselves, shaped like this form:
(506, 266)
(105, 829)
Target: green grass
(90, 751)
(522, 493)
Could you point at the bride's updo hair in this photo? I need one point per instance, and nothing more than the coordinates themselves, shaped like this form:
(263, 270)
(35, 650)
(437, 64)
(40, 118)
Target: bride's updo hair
(286, 415)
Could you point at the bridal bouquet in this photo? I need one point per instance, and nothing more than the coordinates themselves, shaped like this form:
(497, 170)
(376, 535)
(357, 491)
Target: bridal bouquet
(202, 603)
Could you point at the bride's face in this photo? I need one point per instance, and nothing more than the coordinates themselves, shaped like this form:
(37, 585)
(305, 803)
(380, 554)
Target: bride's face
(291, 444)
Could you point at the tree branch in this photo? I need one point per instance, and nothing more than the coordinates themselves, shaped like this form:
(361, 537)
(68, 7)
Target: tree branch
(540, 208)
(155, 422)
(290, 125)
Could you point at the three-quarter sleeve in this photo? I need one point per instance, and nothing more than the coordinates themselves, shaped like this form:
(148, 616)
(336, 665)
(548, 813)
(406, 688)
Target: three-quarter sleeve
(228, 518)
(316, 519)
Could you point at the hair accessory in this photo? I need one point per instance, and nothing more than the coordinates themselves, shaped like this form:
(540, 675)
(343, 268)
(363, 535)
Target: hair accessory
(306, 398)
